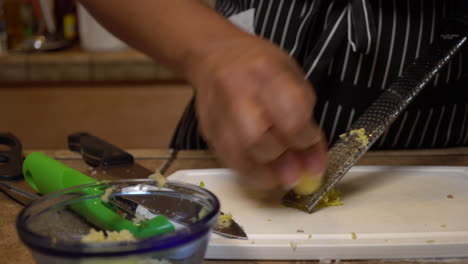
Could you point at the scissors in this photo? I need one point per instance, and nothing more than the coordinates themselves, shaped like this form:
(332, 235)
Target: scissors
(11, 168)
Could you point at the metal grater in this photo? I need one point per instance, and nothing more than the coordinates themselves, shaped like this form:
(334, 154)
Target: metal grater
(378, 117)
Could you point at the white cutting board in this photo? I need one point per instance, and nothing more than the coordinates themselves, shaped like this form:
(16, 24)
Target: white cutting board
(395, 212)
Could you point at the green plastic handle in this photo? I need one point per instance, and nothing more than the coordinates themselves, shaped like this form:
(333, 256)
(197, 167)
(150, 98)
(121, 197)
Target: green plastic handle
(47, 175)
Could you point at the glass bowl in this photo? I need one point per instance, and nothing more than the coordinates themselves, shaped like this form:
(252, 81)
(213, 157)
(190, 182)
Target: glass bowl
(53, 227)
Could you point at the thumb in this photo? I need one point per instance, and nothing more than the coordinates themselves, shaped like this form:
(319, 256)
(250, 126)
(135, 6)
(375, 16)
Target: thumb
(302, 167)
(314, 162)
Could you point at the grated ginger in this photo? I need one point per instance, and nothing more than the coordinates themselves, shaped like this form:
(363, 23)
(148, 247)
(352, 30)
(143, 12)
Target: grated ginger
(293, 245)
(107, 236)
(138, 218)
(224, 220)
(358, 134)
(332, 198)
(160, 179)
(202, 213)
(107, 194)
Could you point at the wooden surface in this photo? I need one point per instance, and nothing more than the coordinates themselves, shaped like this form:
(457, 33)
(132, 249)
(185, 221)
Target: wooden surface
(128, 115)
(13, 251)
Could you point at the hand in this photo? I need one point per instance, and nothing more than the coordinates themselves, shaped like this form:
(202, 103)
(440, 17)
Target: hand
(255, 111)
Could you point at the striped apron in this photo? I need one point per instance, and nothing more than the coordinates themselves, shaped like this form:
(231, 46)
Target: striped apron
(351, 50)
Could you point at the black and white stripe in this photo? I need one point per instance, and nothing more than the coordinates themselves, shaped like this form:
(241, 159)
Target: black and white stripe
(351, 50)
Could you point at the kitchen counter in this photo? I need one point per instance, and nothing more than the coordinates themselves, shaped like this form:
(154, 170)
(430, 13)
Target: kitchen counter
(75, 65)
(13, 251)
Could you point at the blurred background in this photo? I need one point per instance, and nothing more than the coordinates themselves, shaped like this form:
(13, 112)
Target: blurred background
(61, 72)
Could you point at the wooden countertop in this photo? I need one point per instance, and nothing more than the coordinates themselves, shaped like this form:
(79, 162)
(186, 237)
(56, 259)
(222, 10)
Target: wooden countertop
(13, 251)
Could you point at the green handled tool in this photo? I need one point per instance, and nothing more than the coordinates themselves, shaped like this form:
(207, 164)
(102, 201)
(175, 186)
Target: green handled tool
(47, 175)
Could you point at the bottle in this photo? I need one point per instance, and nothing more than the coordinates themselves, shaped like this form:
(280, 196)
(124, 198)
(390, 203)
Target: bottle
(30, 23)
(66, 19)
(13, 21)
(3, 32)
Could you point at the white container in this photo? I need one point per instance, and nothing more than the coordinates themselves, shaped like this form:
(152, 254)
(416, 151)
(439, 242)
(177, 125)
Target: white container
(93, 37)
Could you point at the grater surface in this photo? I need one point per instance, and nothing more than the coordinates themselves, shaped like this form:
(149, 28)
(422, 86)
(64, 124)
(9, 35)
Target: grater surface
(379, 116)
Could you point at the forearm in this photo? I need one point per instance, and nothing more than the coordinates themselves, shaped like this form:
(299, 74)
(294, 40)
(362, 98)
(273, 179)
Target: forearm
(253, 103)
(177, 33)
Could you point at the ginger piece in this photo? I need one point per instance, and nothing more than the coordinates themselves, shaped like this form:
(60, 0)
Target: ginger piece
(307, 184)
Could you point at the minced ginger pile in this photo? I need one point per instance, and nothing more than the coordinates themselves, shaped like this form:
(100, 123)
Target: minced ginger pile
(332, 198)
(224, 220)
(359, 135)
(107, 236)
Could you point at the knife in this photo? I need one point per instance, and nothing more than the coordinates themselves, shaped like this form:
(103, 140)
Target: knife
(19, 195)
(384, 110)
(109, 160)
(106, 159)
(11, 158)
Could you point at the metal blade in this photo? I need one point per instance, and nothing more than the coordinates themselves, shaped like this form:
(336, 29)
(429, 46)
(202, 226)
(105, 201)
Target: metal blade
(378, 117)
(130, 204)
(23, 197)
(168, 162)
(234, 230)
(137, 171)
(129, 171)
(132, 171)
